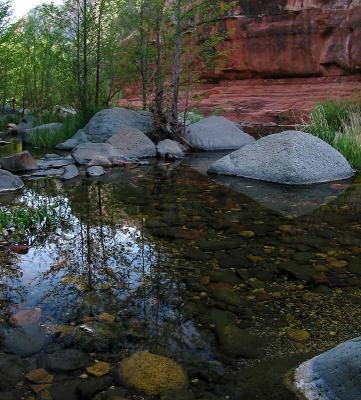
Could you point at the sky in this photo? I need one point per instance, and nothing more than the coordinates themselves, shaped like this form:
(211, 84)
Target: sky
(21, 7)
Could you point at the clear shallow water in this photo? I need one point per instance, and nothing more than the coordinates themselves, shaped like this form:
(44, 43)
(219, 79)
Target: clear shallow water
(161, 257)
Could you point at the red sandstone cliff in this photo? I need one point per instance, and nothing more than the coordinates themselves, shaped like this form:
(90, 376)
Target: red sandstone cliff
(288, 38)
(281, 57)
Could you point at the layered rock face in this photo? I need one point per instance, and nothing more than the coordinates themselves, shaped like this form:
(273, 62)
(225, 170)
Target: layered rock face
(280, 57)
(290, 38)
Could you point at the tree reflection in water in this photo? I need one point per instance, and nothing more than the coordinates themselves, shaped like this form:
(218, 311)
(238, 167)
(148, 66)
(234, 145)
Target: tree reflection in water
(97, 260)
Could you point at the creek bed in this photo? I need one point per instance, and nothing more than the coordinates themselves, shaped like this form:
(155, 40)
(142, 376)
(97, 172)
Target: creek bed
(239, 281)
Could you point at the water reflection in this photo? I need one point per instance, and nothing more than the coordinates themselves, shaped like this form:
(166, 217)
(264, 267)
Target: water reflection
(15, 146)
(287, 200)
(165, 259)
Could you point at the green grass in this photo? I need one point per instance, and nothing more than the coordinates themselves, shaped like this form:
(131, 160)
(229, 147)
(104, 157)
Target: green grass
(71, 125)
(339, 124)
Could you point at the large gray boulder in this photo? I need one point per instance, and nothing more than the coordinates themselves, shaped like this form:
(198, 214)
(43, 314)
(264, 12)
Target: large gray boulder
(217, 133)
(291, 158)
(84, 153)
(46, 129)
(70, 144)
(18, 162)
(9, 182)
(334, 375)
(170, 148)
(109, 122)
(133, 143)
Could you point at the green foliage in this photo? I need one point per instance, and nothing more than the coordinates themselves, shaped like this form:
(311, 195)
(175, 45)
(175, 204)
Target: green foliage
(339, 124)
(71, 125)
(21, 221)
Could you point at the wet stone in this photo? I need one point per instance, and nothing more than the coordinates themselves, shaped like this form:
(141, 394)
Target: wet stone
(95, 336)
(300, 336)
(24, 341)
(225, 276)
(217, 317)
(11, 371)
(67, 360)
(217, 245)
(228, 296)
(88, 388)
(7, 396)
(99, 369)
(301, 272)
(39, 376)
(237, 343)
(152, 374)
(177, 395)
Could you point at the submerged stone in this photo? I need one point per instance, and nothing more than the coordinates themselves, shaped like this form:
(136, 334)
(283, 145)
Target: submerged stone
(66, 360)
(298, 335)
(24, 341)
(99, 369)
(227, 295)
(152, 374)
(39, 376)
(238, 343)
(11, 371)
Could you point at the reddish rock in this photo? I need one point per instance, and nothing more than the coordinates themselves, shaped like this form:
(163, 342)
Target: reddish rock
(19, 249)
(25, 317)
(279, 58)
(19, 162)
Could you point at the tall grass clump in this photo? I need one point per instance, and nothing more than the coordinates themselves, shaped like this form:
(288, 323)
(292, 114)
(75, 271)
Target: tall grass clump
(338, 124)
(71, 124)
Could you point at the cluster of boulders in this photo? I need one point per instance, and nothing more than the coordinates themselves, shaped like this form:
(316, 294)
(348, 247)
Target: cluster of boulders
(117, 136)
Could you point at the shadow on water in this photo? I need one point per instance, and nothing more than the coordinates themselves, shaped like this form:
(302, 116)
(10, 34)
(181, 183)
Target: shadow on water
(288, 200)
(160, 257)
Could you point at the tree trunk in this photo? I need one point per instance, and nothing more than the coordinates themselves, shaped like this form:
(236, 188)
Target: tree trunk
(85, 56)
(98, 55)
(177, 69)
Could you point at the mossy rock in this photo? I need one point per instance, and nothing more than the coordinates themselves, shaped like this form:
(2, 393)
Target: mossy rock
(152, 374)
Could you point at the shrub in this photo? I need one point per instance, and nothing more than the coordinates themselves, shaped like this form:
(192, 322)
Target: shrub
(339, 124)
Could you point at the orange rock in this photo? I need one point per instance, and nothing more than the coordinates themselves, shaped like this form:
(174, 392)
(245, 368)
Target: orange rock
(19, 249)
(39, 376)
(26, 317)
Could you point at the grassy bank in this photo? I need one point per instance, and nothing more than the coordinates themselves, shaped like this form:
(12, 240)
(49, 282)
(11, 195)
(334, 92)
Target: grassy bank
(339, 124)
(71, 124)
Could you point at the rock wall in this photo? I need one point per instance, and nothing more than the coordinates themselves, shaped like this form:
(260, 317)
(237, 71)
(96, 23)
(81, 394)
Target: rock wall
(291, 38)
(281, 56)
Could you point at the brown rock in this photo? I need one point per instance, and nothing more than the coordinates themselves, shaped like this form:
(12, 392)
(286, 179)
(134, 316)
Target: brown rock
(26, 317)
(19, 249)
(39, 376)
(19, 162)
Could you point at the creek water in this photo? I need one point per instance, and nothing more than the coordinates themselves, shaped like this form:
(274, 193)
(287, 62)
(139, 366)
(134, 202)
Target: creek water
(217, 273)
